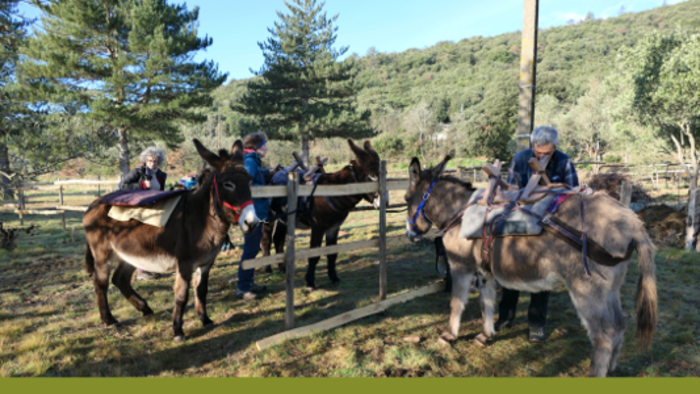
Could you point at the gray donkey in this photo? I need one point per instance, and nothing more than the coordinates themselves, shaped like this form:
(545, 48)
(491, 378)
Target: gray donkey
(543, 262)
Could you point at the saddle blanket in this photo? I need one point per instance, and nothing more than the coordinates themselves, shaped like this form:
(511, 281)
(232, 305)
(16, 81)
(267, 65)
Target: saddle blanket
(138, 198)
(155, 215)
(517, 223)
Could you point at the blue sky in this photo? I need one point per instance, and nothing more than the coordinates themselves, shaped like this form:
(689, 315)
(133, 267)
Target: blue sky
(388, 25)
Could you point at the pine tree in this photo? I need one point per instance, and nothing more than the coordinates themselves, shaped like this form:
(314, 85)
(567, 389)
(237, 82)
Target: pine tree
(303, 92)
(127, 63)
(12, 34)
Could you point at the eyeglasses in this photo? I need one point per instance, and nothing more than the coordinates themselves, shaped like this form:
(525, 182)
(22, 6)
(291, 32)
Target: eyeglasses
(152, 161)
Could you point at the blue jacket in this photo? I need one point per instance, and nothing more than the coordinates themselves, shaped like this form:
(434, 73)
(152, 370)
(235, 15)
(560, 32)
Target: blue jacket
(254, 166)
(560, 169)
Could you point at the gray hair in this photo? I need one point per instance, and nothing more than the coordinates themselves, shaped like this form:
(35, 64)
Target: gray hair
(153, 151)
(545, 135)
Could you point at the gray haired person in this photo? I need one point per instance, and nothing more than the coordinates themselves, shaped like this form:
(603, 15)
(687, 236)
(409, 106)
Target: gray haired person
(559, 169)
(146, 176)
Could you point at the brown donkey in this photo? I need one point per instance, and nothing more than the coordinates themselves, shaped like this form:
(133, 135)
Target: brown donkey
(188, 243)
(543, 262)
(329, 213)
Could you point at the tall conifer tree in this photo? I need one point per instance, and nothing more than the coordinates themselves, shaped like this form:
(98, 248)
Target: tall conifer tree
(304, 92)
(128, 63)
(12, 34)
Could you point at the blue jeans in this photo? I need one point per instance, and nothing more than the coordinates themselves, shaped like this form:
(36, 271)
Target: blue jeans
(251, 247)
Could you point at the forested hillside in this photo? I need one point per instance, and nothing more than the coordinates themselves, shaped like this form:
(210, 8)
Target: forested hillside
(472, 84)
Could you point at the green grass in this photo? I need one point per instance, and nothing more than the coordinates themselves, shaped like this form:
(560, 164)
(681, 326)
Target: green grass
(50, 326)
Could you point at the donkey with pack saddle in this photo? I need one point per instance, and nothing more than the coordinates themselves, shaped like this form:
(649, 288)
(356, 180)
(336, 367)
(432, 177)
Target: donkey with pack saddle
(604, 237)
(327, 214)
(187, 243)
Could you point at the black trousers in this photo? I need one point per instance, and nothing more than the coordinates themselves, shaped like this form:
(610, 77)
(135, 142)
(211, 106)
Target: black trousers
(536, 312)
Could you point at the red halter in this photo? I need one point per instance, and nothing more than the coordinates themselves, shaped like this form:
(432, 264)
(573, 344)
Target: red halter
(236, 210)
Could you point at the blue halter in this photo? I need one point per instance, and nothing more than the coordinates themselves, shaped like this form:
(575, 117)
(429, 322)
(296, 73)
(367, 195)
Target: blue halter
(420, 208)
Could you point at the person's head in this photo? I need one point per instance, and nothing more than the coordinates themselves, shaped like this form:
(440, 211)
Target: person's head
(544, 141)
(152, 157)
(256, 142)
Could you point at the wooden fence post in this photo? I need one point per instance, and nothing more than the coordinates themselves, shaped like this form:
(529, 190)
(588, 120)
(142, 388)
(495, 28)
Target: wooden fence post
(72, 234)
(292, 187)
(60, 195)
(98, 187)
(626, 194)
(382, 230)
(20, 197)
(692, 225)
(63, 220)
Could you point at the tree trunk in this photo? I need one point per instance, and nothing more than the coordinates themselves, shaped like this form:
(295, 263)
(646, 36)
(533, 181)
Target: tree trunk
(123, 146)
(5, 167)
(305, 150)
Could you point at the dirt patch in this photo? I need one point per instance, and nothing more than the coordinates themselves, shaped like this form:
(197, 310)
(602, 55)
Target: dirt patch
(666, 225)
(611, 182)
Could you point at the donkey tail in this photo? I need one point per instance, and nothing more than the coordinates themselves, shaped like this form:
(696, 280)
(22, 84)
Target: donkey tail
(646, 299)
(89, 260)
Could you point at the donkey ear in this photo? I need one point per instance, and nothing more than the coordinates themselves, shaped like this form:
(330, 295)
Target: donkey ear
(237, 151)
(414, 171)
(438, 169)
(359, 152)
(368, 146)
(208, 156)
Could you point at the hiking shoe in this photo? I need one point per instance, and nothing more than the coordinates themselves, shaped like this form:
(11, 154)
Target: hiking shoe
(257, 288)
(145, 275)
(246, 296)
(502, 324)
(536, 335)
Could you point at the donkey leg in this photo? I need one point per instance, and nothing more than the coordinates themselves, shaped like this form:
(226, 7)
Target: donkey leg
(332, 239)
(487, 301)
(181, 288)
(200, 282)
(279, 238)
(122, 279)
(100, 280)
(619, 322)
(593, 309)
(266, 243)
(461, 282)
(316, 240)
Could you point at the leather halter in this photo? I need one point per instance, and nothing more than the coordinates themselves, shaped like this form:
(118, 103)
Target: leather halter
(420, 209)
(236, 210)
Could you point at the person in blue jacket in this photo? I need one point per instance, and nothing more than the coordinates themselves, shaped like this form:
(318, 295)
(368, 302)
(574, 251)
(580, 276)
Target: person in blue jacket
(560, 169)
(255, 148)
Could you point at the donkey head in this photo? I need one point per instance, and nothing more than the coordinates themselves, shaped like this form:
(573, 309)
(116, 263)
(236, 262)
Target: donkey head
(417, 223)
(366, 167)
(230, 186)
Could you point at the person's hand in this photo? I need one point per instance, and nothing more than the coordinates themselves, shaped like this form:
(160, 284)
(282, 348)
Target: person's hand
(147, 184)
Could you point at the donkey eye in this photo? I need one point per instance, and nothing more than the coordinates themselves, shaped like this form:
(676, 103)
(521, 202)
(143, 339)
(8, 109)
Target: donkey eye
(230, 186)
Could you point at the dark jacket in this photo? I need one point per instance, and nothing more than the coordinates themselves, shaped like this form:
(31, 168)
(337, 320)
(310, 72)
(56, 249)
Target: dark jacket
(254, 166)
(560, 169)
(135, 179)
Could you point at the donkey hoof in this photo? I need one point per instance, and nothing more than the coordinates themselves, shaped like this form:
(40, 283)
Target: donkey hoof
(179, 338)
(310, 289)
(481, 340)
(448, 337)
(207, 323)
(335, 282)
(147, 312)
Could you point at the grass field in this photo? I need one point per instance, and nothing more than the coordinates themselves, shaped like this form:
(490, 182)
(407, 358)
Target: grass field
(50, 326)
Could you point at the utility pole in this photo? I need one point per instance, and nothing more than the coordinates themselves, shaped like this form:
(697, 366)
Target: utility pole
(528, 63)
